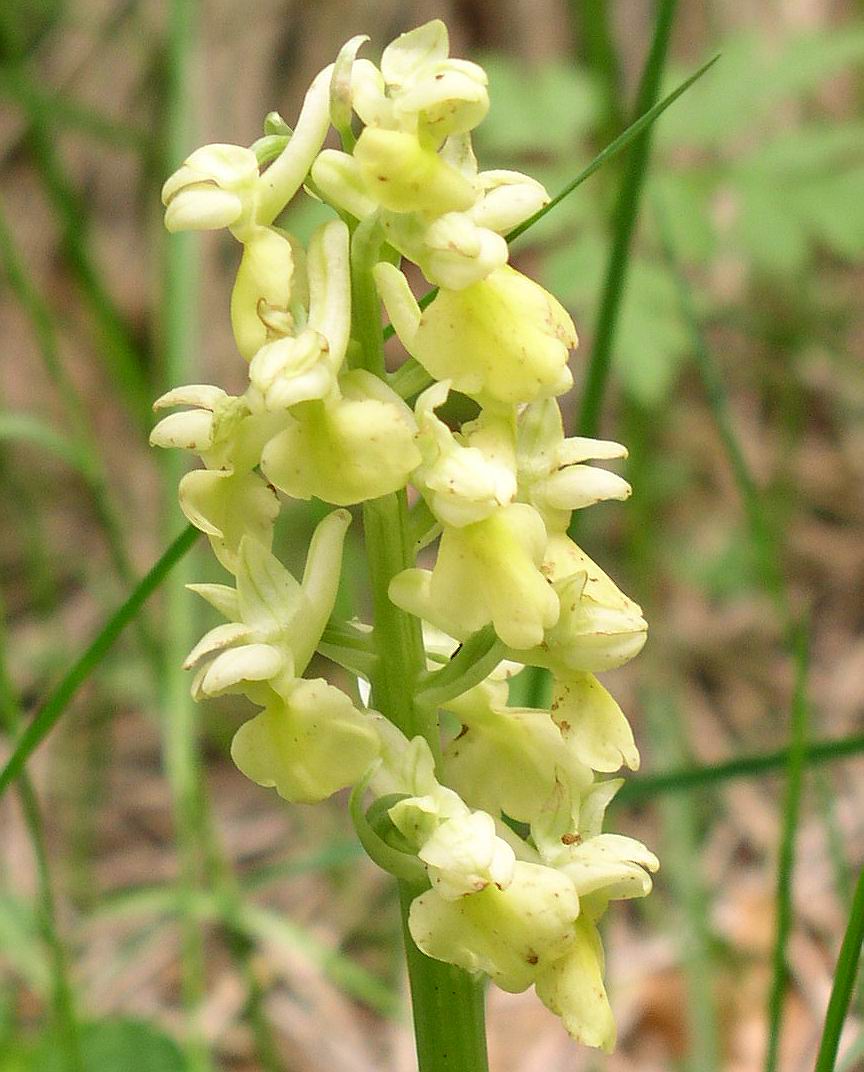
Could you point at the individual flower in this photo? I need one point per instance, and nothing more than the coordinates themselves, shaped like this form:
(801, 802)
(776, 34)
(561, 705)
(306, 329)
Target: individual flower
(402, 175)
(220, 185)
(261, 298)
(227, 500)
(511, 934)
(602, 867)
(598, 628)
(357, 445)
(303, 362)
(485, 572)
(552, 476)
(308, 742)
(523, 746)
(459, 847)
(464, 477)
(451, 227)
(450, 249)
(275, 622)
(419, 88)
(592, 724)
(502, 341)
(214, 187)
(227, 506)
(572, 988)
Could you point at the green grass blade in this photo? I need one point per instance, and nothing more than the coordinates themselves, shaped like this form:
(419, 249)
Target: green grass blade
(63, 111)
(25, 428)
(637, 128)
(181, 756)
(416, 383)
(44, 327)
(844, 983)
(624, 223)
(681, 868)
(63, 1000)
(42, 724)
(786, 860)
(644, 787)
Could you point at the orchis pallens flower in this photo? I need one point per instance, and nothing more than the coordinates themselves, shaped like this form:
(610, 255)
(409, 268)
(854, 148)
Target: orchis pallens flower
(320, 419)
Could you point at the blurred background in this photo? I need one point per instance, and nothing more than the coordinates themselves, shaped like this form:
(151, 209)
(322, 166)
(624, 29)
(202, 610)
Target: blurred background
(159, 912)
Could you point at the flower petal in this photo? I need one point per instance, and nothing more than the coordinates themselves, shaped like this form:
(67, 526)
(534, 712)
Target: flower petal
(307, 745)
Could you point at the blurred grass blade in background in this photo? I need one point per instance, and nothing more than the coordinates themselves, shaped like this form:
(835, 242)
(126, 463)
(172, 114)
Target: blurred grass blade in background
(637, 127)
(624, 222)
(62, 992)
(786, 858)
(44, 721)
(647, 786)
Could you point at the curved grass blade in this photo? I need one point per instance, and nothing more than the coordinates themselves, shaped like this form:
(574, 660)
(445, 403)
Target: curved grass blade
(604, 156)
(624, 223)
(636, 128)
(24, 427)
(844, 982)
(78, 673)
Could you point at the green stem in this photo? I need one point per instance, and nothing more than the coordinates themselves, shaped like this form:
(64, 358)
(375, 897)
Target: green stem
(448, 1007)
(646, 786)
(447, 1002)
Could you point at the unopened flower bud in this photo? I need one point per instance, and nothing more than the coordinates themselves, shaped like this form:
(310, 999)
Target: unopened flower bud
(213, 188)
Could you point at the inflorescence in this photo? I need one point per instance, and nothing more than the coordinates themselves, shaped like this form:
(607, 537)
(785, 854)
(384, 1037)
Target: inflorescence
(497, 494)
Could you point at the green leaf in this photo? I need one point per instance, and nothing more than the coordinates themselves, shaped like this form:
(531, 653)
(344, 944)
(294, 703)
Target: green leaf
(651, 340)
(546, 109)
(690, 225)
(844, 983)
(767, 229)
(753, 79)
(115, 1045)
(832, 210)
